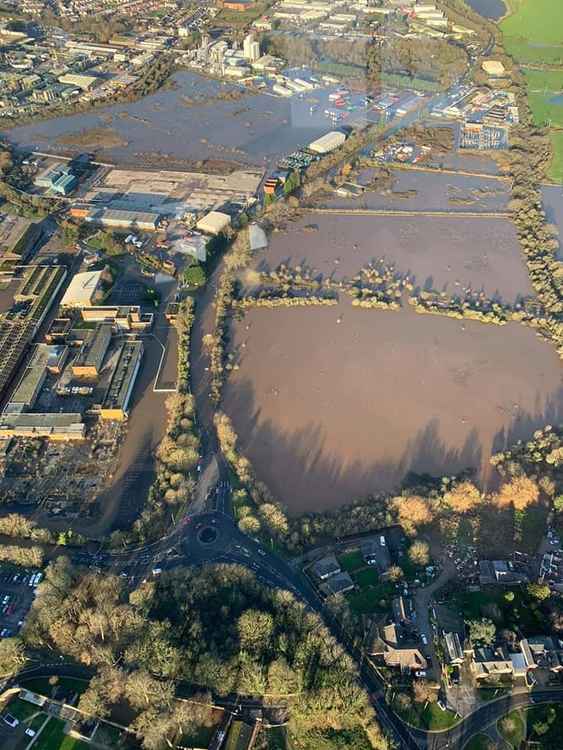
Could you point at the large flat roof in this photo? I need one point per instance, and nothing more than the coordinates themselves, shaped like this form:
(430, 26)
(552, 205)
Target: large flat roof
(82, 289)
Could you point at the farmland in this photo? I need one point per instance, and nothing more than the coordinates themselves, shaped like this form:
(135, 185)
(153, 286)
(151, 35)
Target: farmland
(532, 36)
(532, 33)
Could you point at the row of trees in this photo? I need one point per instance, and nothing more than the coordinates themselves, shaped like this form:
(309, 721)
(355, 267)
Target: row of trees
(217, 628)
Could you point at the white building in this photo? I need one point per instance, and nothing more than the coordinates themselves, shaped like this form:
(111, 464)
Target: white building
(84, 290)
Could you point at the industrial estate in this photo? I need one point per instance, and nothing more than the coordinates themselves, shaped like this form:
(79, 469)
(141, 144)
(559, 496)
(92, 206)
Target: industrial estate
(281, 299)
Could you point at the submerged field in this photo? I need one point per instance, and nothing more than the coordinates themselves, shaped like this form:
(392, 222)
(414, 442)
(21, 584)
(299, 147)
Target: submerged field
(447, 253)
(333, 403)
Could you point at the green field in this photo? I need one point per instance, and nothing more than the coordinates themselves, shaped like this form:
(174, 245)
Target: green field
(532, 33)
(512, 728)
(543, 87)
(54, 738)
(556, 168)
(351, 561)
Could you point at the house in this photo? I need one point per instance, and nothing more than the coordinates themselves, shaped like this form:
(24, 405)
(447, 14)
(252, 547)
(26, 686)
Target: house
(405, 659)
(326, 567)
(386, 646)
(339, 583)
(490, 663)
(501, 572)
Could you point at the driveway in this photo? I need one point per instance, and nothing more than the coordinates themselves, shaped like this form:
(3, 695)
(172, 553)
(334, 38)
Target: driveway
(422, 600)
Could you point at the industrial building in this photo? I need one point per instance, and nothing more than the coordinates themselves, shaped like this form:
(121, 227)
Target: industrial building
(54, 426)
(58, 178)
(328, 142)
(83, 82)
(118, 396)
(214, 223)
(45, 358)
(167, 193)
(38, 290)
(89, 360)
(18, 237)
(84, 290)
(123, 317)
(118, 218)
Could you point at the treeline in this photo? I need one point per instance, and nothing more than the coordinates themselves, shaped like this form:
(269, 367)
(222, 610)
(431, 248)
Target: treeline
(25, 204)
(216, 628)
(257, 511)
(237, 257)
(28, 557)
(433, 59)
(178, 452)
(441, 503)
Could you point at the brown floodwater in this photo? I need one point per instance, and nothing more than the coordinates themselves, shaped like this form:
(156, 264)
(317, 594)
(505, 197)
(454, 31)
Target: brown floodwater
(334, 403)
(448, 254)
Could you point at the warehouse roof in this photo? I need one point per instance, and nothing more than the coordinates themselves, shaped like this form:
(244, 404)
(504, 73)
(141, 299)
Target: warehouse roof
(123, 380)
(94, 349)
(214, 222)
(82, 289)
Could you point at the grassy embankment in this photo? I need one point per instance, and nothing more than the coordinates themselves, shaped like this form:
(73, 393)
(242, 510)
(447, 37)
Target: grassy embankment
(533, 37)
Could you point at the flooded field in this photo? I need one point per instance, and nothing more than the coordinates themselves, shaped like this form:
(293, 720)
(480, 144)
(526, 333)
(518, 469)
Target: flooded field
(553, 205)
(446, 253)
(178, 123)
(413, 190)
(329, 411)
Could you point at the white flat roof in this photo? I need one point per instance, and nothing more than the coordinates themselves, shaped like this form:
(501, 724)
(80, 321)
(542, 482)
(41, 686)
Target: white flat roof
(81, 289)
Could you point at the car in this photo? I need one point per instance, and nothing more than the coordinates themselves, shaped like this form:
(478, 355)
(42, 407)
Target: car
(382, 541)
(30, 732)
(424, 639)
(420, 673)
(261, 552)
(156, 571)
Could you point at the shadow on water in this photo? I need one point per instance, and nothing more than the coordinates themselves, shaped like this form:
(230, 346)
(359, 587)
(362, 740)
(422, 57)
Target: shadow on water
(305, 476)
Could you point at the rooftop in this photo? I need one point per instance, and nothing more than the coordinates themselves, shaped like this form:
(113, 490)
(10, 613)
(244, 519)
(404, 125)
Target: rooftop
(82, 289)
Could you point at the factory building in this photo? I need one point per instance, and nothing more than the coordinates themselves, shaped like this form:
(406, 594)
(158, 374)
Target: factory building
(123, 317)
(118, 396)
(84, 289)
(89, 360)
(58, 178)
(214, 223)
(39, 289)
(44, 358)
(18, 237)
(53, 426)
(84, 82)
(118, 218)
(328, 142)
